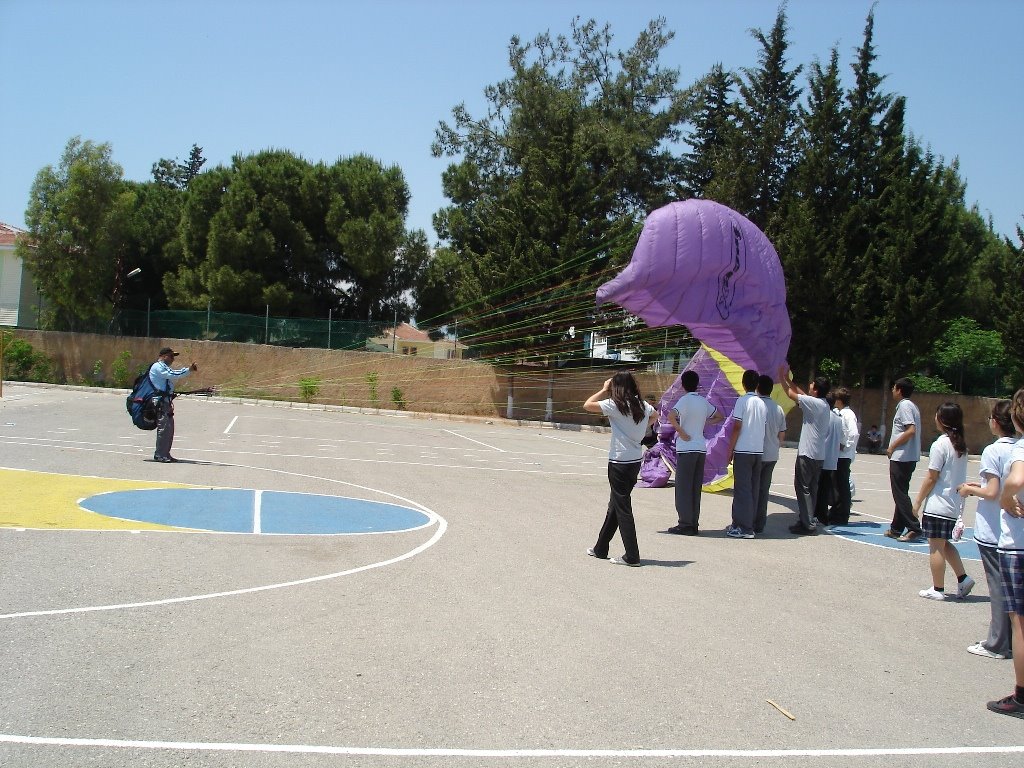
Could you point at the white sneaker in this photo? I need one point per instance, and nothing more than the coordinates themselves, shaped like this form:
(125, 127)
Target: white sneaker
(932, 594)
(963, 589)
(980, 650)
(622, 561)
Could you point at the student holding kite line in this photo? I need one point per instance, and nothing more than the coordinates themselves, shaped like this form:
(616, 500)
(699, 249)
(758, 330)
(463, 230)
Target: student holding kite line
(163, 378)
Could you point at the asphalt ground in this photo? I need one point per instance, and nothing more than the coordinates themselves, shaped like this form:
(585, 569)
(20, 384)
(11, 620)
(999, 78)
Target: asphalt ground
(485, 637)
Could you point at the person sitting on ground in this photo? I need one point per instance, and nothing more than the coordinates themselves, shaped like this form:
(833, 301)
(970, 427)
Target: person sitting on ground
(874, 438)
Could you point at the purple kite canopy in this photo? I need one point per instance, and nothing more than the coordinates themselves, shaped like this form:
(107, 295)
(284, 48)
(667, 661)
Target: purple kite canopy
(703, 265)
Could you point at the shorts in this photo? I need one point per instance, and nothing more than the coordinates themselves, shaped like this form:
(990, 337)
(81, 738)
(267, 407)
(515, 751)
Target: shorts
(1011, 574)
(935, 527)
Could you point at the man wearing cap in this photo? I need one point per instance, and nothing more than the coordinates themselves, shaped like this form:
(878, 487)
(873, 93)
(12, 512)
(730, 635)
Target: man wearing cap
(163, 377)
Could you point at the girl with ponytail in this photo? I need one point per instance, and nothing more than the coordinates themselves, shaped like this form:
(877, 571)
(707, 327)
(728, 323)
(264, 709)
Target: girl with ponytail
(995, 464)
(940, 502)
(630, 416)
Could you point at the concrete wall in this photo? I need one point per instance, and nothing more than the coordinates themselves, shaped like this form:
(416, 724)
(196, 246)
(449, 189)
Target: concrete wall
(458, 387)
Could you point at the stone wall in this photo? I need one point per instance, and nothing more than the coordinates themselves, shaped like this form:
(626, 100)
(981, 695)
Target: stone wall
(457, 387)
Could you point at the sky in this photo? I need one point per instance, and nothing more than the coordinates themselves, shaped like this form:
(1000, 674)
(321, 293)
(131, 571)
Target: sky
(331, 79)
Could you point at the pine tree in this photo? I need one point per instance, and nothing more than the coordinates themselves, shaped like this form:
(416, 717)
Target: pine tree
(810, 240)
(712, 133)
(758, 164)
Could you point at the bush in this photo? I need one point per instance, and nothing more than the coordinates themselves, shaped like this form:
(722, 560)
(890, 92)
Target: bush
(120, 370)
(23, 363)
(371, 381)
(398, 398)
(932, 384)
(309, 388)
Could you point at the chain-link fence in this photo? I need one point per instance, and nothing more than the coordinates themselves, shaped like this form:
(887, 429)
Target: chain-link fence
(249, 329)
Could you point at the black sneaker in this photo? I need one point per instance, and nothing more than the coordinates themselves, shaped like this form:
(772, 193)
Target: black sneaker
(803, 530)
(1008, 706)
(682, 530)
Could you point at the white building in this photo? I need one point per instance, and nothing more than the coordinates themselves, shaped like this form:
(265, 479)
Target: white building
(19, 300)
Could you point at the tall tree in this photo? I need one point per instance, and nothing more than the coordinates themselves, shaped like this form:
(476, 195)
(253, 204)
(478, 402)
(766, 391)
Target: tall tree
(868, 108)
(572, 153)
(918, 254)
(276, 230)
(1010, 305)
(810, 240)
(758, 165)
(77, 218)
(171, 173)
(713, 129)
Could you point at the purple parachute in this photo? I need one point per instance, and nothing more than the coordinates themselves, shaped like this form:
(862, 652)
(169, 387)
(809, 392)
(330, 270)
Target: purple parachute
(703, 265)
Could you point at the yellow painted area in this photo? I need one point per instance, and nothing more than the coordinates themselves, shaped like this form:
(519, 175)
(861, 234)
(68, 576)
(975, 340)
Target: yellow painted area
(48, 500)
(734, 374)
(732, 371)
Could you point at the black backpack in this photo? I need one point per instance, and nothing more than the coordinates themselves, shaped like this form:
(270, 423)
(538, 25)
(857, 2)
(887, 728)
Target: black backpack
(142, 403)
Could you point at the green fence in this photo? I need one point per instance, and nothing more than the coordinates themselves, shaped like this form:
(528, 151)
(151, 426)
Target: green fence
(248, 329)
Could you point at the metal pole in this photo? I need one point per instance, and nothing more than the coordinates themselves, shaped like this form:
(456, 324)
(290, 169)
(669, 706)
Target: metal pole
(394, 334)
(2, 363)
(149, 306)
(209, 307)
(329, 311)
(266, 327)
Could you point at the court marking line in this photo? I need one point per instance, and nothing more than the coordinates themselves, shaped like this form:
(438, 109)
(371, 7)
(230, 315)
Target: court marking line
(573, 442)
(230, 425)
(322, 440)
(312, 749)
(85, 447)
(485, 445)
(442, 527)
(257, 509)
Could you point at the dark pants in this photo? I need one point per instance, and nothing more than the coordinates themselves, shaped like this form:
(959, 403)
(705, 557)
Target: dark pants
(825, 496)
(765, 484)
(164, 428)
(805, 483)
(746, 483)
(621, 478)
(689, 480)
(839, 514)
(998, 640)
(903, 518)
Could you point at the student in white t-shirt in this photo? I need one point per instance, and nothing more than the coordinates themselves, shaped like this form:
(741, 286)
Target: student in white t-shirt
(995, 464)
(1011, 560)
(810, 452)
(746, 444)
(689, 416)
(630, 416)
(774, 432)
(938, 504)
(839, 513)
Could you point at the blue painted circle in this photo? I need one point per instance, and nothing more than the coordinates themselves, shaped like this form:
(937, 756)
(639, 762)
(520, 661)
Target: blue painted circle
(246, 511)
(874, 533)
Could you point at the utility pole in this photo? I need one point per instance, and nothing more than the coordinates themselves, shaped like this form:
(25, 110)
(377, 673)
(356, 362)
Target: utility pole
(3, 338)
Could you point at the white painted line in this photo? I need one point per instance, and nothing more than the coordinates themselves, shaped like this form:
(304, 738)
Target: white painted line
(602, 449)
(231, 425)
(257, 511)
(313, 749)
(485, 445)
(442, 527)
(93, 448)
